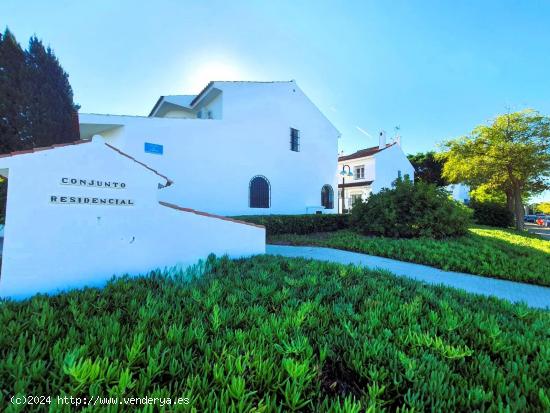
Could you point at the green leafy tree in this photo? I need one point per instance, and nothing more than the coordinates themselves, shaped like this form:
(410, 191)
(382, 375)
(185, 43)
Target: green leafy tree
(511, 155)
(543, 207)
(428, 168)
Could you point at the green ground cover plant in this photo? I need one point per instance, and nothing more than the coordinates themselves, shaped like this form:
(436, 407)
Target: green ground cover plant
(492, 252)
(271, 334)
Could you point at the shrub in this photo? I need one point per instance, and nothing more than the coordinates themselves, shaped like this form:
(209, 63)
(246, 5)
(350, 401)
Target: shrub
(493, 214)
(298, 224)
(276, 335)
(411, 209)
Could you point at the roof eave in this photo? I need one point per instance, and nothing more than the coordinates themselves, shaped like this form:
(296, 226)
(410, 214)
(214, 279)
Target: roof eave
(160, 99)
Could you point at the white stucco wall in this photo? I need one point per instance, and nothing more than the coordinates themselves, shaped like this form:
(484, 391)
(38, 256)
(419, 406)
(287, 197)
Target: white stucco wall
(388, 163)
(382, 168)
(213, 161)
(213, 105)
(49, 246)
(179, 114)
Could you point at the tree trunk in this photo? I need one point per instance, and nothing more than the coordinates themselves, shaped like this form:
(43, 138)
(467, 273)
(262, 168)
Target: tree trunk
(510, 201)
(519, 211)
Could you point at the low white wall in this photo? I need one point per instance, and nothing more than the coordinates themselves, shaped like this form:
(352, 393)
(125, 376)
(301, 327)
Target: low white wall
(51, 246)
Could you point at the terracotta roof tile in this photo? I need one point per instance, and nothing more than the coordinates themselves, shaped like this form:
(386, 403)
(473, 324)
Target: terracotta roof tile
(168, 180)
(364, 152)
(206, 214)
(43, 148)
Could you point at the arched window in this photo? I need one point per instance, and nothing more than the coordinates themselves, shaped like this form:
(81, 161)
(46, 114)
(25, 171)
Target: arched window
(259, 192)
(327, 197)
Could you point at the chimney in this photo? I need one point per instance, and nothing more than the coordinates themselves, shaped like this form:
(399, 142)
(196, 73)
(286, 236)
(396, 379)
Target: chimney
(382, 142)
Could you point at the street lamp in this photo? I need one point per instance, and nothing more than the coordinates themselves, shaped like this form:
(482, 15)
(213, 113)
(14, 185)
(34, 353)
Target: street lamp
(344, 174)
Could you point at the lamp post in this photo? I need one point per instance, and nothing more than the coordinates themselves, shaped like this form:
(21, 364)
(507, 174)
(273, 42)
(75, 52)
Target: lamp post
(344, 174)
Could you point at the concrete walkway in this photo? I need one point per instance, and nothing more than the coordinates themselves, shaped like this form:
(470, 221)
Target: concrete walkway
(544, 232)
(532, 295)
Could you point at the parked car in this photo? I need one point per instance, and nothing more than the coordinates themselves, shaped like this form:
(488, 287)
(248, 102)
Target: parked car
(530, 218)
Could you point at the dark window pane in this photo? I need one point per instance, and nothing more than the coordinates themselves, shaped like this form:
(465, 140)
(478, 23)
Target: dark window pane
(259, 192)
(294, 140)
(327, 197)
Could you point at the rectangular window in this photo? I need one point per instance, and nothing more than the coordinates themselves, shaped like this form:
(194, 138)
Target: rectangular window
(359, 172)
(294, 140)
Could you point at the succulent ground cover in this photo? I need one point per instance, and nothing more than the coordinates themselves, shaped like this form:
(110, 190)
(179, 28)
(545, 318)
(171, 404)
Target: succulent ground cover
(498, 253)
(271, 334)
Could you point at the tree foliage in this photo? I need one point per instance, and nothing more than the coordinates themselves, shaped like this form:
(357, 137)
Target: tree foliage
(511, 156)
(36, 99)
(543, 207)
(428, 168)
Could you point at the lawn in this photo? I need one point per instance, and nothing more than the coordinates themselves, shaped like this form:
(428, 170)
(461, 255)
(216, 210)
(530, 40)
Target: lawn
(272, 334)
(492, 252)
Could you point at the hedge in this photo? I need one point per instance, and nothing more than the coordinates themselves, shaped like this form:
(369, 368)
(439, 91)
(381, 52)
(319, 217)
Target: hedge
(492, 214)
(298, 224)
(270, 334)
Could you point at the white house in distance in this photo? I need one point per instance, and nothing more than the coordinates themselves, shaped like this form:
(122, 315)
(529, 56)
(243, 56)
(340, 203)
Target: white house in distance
(460, 192)
(236, 148)
(369, 170)
(77, 214)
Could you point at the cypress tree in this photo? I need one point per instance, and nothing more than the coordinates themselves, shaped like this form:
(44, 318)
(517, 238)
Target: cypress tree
(14, 103)
(36, 99)
(51, 118)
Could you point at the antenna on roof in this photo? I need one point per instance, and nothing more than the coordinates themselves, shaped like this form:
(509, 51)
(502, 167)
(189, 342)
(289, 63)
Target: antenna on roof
(397, 136)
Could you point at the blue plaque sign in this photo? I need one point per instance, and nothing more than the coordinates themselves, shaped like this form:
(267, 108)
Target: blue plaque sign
(154, 148)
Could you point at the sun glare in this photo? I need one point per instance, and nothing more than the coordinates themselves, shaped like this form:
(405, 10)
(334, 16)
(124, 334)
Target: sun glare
(203, 73)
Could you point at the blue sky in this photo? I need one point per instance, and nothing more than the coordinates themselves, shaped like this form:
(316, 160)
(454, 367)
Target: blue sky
(435, 68)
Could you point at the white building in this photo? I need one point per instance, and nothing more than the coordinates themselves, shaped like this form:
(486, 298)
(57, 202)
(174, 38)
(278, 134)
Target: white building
(369, 170)
(459, 192)
(77, 214)
(236, 148)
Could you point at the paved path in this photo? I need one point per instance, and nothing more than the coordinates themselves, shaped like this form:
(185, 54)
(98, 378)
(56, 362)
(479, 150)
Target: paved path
(544, 232)
(533, 295)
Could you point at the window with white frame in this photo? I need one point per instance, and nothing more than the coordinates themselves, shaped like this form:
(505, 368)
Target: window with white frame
(359, 172)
